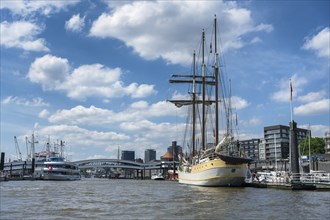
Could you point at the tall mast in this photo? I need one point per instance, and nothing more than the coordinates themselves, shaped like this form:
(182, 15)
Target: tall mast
(203, 92)
(194, 106)
(216, 73)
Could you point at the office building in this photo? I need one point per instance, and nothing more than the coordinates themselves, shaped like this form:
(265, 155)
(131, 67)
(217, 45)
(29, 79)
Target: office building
(250, 148)
(327, 142)
(277, 139)
(149, 155)
(128, 155)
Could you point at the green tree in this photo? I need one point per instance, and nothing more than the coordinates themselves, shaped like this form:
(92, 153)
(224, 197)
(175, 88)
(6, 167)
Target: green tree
(317, 146)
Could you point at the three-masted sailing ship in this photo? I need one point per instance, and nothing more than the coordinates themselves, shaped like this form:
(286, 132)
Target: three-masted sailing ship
(209, 162)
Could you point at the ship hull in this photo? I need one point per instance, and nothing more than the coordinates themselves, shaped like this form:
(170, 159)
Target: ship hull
(214, 173)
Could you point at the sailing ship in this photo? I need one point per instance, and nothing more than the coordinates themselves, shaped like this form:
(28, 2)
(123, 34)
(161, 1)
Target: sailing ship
(209, 162)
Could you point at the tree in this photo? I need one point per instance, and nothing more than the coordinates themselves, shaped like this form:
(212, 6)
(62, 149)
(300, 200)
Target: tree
(317, 146)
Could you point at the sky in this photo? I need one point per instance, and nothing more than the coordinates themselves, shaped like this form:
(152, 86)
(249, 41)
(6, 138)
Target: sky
(96, 73)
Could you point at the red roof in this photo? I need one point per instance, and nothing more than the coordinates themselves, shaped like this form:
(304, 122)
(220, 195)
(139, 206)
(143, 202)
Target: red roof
(167, 155)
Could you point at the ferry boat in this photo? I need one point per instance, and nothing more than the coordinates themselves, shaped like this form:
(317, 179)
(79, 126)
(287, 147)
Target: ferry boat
(208, 161)
(51, 165)
(56, 168)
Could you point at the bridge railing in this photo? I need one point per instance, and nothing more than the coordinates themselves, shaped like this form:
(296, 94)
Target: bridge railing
(318, 177)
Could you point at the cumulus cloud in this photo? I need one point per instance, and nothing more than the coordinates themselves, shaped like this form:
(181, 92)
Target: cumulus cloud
(319, 43)
(26, 7)
(283, 94)
(81, 115)
(43, 114)
(22, 35)
(49, 71)
(148, 26)
(34, 102)
(312, 96)
(239, 103)
(313, 108)
(80, 136)
(75, 24)
(55, 73)
(252, 122)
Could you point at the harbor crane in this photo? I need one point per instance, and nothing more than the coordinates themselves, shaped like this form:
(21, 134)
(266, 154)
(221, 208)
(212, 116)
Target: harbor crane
(18, 152)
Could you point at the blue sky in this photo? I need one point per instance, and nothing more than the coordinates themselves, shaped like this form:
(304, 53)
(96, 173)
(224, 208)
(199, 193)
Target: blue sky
(95, 73)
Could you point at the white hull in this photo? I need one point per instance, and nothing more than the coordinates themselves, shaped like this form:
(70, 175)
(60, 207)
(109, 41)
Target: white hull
(61, 177)
(214, 173)
(57, 171)
(157, 177)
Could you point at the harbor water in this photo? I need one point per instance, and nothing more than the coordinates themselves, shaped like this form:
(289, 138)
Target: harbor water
(147, 199)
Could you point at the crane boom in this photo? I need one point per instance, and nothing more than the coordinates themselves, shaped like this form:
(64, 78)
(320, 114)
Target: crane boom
(18, 151)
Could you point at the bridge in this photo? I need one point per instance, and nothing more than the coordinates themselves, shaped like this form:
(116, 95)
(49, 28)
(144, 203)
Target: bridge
(113, 168)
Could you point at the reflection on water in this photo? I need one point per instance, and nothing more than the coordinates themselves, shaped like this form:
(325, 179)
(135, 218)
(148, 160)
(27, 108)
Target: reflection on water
(137, 199)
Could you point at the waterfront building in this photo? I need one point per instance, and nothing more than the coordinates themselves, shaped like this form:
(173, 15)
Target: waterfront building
(128, 155)
(149, 155)
(277, 140)
(139, 160)
(262, 149)
(327, 142)
(167, 157)
(251, 148)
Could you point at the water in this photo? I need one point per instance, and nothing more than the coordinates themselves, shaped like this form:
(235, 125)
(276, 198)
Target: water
(147, 199)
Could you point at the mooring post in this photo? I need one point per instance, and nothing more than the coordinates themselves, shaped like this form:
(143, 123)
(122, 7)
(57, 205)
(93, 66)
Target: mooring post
(2, 161)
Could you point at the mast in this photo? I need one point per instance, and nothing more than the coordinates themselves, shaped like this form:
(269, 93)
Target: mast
(203, 91)
(216, 73)
(194, 106)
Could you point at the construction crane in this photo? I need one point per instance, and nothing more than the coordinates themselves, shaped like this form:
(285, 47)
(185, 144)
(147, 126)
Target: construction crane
(18, 152)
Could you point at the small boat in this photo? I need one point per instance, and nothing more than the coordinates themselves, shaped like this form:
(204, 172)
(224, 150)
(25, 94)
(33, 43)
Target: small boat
(158, 176)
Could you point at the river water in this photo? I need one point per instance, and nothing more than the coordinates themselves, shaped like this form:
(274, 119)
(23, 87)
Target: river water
(146, 199)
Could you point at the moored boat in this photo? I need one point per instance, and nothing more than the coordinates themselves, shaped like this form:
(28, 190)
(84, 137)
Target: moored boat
(158, 176)
(210, 164)
(51, 165)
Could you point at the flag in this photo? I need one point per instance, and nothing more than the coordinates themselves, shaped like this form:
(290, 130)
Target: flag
(290, 90)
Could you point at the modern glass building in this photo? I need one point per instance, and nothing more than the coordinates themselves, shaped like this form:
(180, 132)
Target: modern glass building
(149, 155)
(277, 139)
(274, 144)
(251, 148)
(128, 155)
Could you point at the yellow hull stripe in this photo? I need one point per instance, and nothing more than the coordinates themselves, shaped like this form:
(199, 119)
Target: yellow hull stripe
(215, 164)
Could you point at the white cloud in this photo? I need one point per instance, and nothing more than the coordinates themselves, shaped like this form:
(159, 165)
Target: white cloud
(22, 35)
(239, 103)
(283, 95)
(54, 73)
(313, 108)
(319, 43)
(96, 156)
(27, 7)
(75, 24)
(43, 114)
(49, 71)
(312, 96)
(81, 115)
(149, 26)
(35, 102)
(251, 122)
(79, 136)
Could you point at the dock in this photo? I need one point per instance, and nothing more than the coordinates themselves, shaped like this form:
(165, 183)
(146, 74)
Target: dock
(303, 181)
